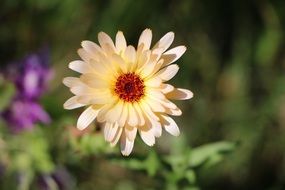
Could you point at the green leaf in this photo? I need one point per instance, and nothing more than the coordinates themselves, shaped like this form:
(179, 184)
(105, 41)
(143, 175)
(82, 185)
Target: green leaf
(210, 153)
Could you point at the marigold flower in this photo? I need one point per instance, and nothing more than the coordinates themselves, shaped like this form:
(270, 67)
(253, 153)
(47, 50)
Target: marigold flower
(124, 88)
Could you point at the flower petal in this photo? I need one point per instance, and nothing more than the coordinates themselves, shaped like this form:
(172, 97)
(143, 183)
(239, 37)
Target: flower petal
(180, 94)
(126, 145)
(79, 66)
(71, 81)
(173, 55)
(165, 41)
(168, 72)
(91, 48)
(116, 136)
(106, 42)
(72, 103)
(133, 118)
(86, 118)
(114, 113)
(121, 43)
(130, 132)
(147, 137)
(145, 39)
(110, 131)
(170, 125)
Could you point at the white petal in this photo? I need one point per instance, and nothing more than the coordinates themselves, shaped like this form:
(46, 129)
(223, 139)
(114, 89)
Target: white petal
(180, 94)
(94, 81)
(130, 57)
(165, 41)
(168, 72)
(102, 114)
(71, 81)
(126, 145)
(145, 39)
(153, 82)
(79, 66)
(124, 115)
(170, 125)
(121, 43)
(133, 118)
(84, 55)
(72, 103)
(81, 90)
(157, 130)
(173, 54)
(91, 47)
(165, 88)
(155, 105)
(147, 137)
(148, 112)
(110, 131)
(116, 137)
(114, 113)
(130, 132)
(174, 112)
(139, 113)
(86, 118)
(106, 42)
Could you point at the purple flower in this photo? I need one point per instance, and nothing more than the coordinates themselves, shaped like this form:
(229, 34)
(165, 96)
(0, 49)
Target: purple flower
(31, 75)
(23, 114)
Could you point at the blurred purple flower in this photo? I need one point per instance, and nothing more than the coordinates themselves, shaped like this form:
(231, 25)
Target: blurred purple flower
(33, 74)
(23, 114)
(30, 76)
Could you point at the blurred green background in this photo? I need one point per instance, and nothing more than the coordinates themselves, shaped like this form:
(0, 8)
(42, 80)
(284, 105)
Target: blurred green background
(234, 64)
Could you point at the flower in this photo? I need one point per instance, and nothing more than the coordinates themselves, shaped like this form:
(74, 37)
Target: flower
(31, 74)
(23, 114)
(125, 88)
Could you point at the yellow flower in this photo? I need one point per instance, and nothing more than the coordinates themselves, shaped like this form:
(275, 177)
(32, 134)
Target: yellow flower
(124, 88)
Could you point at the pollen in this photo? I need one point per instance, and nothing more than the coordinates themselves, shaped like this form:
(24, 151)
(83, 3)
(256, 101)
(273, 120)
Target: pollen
(129, 87)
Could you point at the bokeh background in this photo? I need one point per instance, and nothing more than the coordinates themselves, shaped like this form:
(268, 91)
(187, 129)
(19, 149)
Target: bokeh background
(233, 130)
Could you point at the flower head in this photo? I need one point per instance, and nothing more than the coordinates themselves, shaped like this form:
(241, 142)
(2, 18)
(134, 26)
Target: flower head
(31, 74)
(23, 114)
(125, 88)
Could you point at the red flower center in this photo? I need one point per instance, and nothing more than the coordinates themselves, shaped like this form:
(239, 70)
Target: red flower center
(129, 87)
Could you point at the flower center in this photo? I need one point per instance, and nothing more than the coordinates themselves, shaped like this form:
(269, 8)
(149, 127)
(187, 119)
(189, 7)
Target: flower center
(129, 87)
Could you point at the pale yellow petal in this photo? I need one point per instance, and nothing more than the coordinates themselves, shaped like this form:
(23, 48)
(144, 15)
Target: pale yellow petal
(72, 103)
(124, 115)
(145, 39)
(139, 114)
(180, 94)
(91, 48)
(153, 82)
(114, 113)
(173, 55)
(71, 81)
(80, 66)
(116, 137)
(130, 132)
(147, 137)
(126, 145)
(86, 118)
(166, 88)
(95, 81)
(86, 57)
(170, 125)
(165, 41)
(110, 130)
(132, 118)
(106, 42)
(121, 43)
(168, 72)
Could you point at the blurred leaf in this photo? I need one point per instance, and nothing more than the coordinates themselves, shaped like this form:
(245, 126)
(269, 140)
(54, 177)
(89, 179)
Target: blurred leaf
(210, 153)
(190, 176)
(7, 91)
